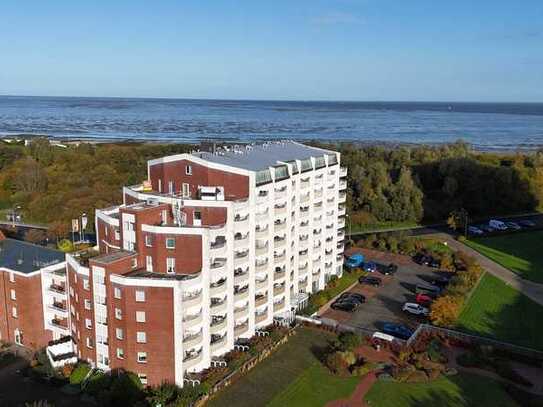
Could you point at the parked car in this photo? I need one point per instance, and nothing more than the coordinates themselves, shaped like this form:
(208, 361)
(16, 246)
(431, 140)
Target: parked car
(497, 224)
(421, 259)
(423, 299)
(354, 261)
(526, 223)
(389, 269)
(513, 225)
(440, 282)
(370, 267)
(354, 297)
(374, 281)
(487, 228)
(430, 290)
(397, 330)
(475, 231)
(346, 306)
(434, 263)
(415, 309)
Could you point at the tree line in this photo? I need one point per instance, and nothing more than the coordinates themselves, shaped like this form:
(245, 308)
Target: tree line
(54, 184)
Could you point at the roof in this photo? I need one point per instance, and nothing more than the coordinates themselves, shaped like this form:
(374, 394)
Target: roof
(26, 257)
(112, 257)
(261, 156)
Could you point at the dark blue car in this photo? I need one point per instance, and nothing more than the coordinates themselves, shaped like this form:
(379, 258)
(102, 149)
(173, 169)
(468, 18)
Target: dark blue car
(370, 267)
(397, 330)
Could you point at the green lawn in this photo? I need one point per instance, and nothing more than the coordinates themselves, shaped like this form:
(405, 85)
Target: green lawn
(463, 390)
(292, 376)
(519, 252)
(501, 312)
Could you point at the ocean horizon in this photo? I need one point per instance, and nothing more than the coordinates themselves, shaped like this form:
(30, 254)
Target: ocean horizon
(486, 126)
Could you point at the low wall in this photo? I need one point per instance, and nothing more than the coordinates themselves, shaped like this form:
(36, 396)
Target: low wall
(246, 367)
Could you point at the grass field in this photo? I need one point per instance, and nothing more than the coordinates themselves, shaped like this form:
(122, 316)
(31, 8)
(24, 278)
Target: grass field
(519, 252)
(463, 390)
(501, 312)
(292, 376)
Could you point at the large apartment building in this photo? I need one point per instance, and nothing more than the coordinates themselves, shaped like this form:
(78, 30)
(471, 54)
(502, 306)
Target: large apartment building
(210, 249)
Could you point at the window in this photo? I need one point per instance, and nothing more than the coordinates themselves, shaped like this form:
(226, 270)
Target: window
(149, 240)
(142, 357)
(77, 316)
(170, 265)
(72, 309)
(159, 185)
(14, 312)
(164, 216)
(141, 337)
(12, 277)
(134, 263)
(170, 187)
(186, 190)
(12, 294)
(117, 293)
(140, 296)
(140, 316)
(119, 334)
(149, 263)
(90, 342)
(117, 234)
(105, 230)
(88, 323)
(118, 313)
(120, 353)
(143, 378)
(170, 243)
(86, 284)
(71, 291)
(87, 304)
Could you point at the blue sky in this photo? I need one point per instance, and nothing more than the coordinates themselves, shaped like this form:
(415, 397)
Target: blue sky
(477, 50)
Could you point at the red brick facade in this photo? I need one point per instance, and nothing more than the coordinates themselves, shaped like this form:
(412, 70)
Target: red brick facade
(28, 303)
(236, 186)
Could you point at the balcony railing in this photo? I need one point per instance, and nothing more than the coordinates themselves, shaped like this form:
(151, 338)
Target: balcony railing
(60, 323)
(192, 299)
(192, 359)
(192, 340)
(261, 283)
(217, 325)
(278, 306)
(57, 288)
(241, 329)
(261, 300)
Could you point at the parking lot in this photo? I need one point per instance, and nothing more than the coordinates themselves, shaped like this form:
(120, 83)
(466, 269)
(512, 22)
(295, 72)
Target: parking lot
(384, 303)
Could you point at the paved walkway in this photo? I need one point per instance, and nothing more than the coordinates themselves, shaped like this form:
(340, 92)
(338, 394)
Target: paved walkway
(357, 398)
(527, 287)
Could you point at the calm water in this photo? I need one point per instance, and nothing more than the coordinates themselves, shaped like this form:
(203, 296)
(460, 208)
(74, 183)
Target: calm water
(484, 125)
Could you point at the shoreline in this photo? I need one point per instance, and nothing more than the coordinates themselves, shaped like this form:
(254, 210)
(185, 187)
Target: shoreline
(235, 140)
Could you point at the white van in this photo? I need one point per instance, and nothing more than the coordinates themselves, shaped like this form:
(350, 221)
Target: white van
(497, 224)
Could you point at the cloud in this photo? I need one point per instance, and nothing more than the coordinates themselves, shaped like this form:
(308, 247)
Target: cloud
(336, 18)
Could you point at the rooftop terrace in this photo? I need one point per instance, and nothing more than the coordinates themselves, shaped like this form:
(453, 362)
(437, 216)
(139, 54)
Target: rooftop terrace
(261, 156)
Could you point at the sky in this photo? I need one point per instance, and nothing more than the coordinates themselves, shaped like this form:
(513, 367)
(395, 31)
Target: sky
(425, 50)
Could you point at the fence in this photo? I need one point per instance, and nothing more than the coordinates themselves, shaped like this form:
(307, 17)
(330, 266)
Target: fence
(481, 340)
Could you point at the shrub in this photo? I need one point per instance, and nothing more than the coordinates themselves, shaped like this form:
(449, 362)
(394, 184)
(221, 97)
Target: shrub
(79, 373)
(445, 310)
(401, 373)
(461, 238)
(470, 359)
(350, 341)
(349, 357)
(418, 376)
(67, 370)
(336, 363)
(364, 369)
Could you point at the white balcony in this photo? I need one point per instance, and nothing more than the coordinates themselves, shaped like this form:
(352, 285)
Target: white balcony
(218, 288)
(217, 345)
(241, 222)
(278, 290)
(279, 306)
(261, 266)
(218, 248)
(218, 325)
(279, 227)
(261, 284)
(192, 320)
(192, 359)
(342, 184)
(241, 329)
(241, 294)
(192, 340)
(342, 171)
(241, 241)
(342, 197)
(241, 278)
(218, 265)
(241, 312)
(261, 317)
(262, 231)
(192, 300)
(261, 300)
(341, 223)
(341, 210)
(241, 257)
(263, 215)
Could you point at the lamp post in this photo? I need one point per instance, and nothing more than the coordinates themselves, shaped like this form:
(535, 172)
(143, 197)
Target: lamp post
(14, 214)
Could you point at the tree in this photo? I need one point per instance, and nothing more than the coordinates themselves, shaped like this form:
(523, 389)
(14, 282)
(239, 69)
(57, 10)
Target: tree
(445, 310)
(458, 220)
(35, 236)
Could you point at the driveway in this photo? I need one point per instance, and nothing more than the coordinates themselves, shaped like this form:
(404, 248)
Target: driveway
(384, 304)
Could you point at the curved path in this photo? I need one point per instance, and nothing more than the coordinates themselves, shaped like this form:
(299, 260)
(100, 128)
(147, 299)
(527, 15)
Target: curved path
(527, 287)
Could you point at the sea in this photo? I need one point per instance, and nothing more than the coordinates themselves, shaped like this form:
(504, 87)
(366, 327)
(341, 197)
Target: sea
(486, 126)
